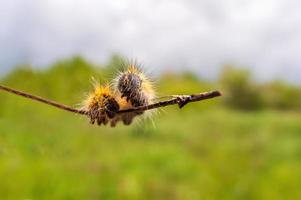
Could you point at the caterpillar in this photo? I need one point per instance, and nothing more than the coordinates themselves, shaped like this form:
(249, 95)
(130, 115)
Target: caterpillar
(101, 105)
(129, 95)
(131, 88)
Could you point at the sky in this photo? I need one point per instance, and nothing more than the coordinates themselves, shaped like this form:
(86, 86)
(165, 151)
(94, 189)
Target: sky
(196, 35)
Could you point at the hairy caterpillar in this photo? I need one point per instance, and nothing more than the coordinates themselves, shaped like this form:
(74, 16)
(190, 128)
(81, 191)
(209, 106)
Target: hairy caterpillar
(131, 88)
(101, 105)
(130, 95)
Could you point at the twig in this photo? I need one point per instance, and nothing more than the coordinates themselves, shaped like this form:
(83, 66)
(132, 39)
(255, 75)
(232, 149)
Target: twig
(181, 100)
(41, 99)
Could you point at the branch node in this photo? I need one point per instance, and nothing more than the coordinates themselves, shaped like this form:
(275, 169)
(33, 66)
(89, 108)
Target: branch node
(182, 100)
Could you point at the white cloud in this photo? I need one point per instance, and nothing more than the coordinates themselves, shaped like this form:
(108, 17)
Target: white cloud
(178, 34)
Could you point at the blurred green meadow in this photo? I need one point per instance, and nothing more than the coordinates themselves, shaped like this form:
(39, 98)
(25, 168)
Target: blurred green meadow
(244, 145)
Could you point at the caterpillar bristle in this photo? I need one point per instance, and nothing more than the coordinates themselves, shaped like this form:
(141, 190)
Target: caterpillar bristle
(134, 86)
(101, 104)
(130, 89)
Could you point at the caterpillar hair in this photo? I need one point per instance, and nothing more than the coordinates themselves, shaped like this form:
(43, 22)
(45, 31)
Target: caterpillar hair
(133, 84)
(132, 89)
(101, 105)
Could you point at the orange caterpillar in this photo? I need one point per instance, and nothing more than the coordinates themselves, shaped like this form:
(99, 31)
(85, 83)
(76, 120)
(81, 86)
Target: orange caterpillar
(131, 88)
(101, 105)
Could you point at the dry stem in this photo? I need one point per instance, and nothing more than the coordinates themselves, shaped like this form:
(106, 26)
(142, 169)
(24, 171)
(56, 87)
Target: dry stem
(181, 100)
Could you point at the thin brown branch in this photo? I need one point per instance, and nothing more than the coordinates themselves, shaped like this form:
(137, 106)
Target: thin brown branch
(41, 99)
(181, 100)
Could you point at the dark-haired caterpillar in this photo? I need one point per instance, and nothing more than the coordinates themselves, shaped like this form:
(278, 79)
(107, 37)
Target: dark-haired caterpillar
(131, 88)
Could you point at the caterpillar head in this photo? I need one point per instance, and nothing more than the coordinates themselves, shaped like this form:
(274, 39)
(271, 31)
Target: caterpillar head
(101, 105)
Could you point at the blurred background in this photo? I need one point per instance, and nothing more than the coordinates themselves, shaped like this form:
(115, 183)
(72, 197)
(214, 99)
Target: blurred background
(244, 145)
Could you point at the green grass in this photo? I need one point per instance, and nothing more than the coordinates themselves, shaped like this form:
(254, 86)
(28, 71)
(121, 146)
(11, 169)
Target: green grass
(203, 151)
(194, 153)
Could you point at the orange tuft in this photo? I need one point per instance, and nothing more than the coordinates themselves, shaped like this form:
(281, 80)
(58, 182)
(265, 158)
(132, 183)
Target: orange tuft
(102, 90)
(98, 97)
(133, 69)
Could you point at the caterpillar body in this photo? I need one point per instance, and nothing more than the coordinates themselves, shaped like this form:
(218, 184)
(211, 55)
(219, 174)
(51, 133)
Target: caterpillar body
(131, 88)
(101, 105)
